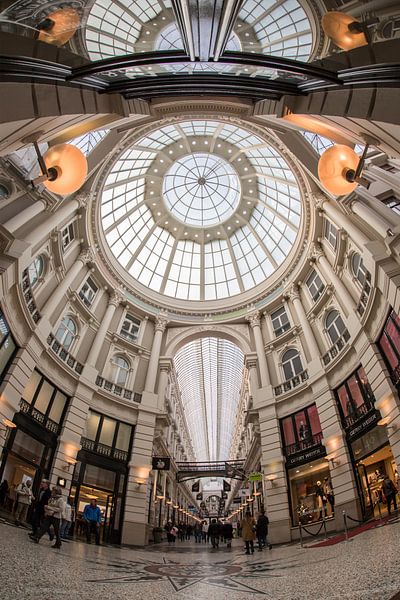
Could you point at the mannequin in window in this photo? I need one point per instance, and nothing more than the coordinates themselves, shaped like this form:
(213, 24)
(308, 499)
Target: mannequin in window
(329, 493)
(350, 410)
(321, 499)
(303, 431)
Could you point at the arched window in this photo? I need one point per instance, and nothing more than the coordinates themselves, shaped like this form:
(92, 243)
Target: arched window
(359, 269)
(291, 363)
(66, 332)
(335, 326)
(120, 370)
(35, 270)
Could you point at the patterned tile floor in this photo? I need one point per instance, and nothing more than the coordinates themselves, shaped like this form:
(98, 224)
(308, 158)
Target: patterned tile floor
(367, 568)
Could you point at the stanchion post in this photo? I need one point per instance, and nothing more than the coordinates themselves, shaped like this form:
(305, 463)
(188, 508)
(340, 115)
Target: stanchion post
(346, 533)
(301, 534)
(379, 510)
(324, 524)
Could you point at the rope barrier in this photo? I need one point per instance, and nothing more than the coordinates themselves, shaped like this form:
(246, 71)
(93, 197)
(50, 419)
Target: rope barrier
(310, 532)
(355, 520)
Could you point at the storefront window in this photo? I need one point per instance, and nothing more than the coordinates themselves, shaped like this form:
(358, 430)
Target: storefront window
(45, 400)
(389, 344)
(109, 432)
(7, 344)
(311, 492)
(301, 430)
(355, 398)
(98, 477)
(28, 447)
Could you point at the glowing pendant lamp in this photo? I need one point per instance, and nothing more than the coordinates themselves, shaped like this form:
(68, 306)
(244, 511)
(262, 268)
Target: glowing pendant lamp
(337, 168)
(59, 26)
(64, 169)
(345, 31)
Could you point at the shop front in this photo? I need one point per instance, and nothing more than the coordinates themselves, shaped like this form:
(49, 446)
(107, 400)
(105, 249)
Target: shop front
(367, 440)
(310, 490)
(31, 444)
(101, 473)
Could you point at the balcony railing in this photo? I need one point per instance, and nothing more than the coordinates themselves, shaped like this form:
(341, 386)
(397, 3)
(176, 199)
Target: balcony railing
(292, 383)
(64, 354)
(306, 444)
(336, 349)
(28, 297)
(358, 413)
(104, 450)
(118, 390)
(39, 417)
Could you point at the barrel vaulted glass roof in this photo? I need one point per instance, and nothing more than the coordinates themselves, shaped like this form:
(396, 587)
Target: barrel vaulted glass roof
(210, 373)
(88, 141)
(200, 210)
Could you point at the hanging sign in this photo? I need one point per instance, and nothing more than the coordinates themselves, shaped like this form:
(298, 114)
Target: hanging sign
(255, 477)
(226, 486)
(161, 463)
(196, 486)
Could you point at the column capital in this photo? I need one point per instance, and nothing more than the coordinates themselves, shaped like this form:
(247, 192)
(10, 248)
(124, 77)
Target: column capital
(254, 319)
(251, 361)
(161, 322)
(116, 298)
(83, 199)
(86, 256)
(317, 253)
(165, 364)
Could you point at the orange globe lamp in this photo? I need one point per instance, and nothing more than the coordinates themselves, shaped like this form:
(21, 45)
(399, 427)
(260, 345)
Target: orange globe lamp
(59, 26)
(345, 31)
(66, 169)
(337, 168)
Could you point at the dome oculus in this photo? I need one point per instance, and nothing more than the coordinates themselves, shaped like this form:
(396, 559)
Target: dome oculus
(201, 189)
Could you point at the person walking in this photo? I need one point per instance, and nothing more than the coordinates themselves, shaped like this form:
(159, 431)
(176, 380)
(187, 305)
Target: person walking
(248, 527)
(24, 498)
(198, 532)
(53, 512)
(389, 491)
(262, 531)
(38, 506)
(66, 520)
(204, 531)
(214, 531)
(92, 519)
(227, 532)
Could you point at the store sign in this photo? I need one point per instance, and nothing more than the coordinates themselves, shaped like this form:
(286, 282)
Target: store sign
(255, 477)
(196, 486)
(363, 425)
(161, 463)
(305, 457)
(199, 496)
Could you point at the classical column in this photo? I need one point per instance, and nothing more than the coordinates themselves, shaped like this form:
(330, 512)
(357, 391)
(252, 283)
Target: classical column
(56, 297)
(251, 365)
(328, 273)
(42, 230)
(342, 220)
(25, 216)
(378, 223)
(304, 322)
(254, 320)
(164, 369)
(151, 376)
(105, 322)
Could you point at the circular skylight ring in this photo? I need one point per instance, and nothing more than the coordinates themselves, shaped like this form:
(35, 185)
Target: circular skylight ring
(201, 189)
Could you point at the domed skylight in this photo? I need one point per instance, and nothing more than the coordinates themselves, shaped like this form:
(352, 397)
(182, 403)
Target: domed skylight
(200, 210)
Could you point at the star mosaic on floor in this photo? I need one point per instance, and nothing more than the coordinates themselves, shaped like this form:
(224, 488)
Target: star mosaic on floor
(228, 574)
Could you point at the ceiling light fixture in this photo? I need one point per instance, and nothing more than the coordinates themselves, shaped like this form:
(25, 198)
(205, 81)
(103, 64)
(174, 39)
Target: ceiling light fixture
(64, 168)
(59, 26)
(345, 31)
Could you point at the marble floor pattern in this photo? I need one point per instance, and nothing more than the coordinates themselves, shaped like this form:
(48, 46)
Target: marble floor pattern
(367, 568)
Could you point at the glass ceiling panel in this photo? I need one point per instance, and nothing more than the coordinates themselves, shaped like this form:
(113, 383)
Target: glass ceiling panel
(88, 141)
(193, 235)
(210, 373)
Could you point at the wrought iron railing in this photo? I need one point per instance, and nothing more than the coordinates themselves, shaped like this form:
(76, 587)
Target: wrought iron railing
(309, 442)
(64, 354)
(292, 383)
(39, 417)
(104, 450)
(28, 297)
(357, 413)
(336, 349)
(118, 390)
(366, 290)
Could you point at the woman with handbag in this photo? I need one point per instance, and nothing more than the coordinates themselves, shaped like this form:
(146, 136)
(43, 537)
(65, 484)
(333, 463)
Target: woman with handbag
(248, 526)
(53, 512)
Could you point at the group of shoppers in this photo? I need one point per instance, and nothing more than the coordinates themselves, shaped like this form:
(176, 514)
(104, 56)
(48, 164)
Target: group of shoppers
(51, 513)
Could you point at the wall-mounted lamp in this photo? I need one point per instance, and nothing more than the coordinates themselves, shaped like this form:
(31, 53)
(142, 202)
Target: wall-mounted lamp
(139, 483)
(64, 168)
(340, 168)
(345, 31)
(272, 480)
(333, 461)
(385, 422)
(71, 462)
(7, 424)
(59, 26)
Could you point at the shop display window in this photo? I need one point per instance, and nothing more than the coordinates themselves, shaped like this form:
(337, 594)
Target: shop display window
(311, 492)
(7, 344)
(301, 430)
(43, 401)
(109, 437)
(355, 398)
(389, 344)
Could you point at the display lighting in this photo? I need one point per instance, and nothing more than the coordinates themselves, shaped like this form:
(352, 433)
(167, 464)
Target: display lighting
(345, 31)
(8, 424)
(59, 26)
(340, 168)
(64, 168)
(385, 423)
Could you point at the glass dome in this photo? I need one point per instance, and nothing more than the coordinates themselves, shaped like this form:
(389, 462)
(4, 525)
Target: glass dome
(200, 210)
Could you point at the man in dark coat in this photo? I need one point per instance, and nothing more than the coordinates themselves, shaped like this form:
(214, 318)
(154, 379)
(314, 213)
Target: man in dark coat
(227, 532)
(38, 507)
(214, 531)
(262, 531)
